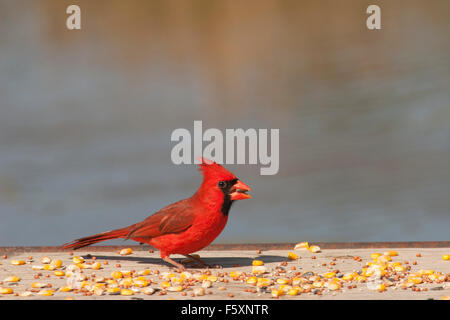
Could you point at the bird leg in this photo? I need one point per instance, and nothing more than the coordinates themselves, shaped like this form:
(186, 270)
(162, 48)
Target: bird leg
(174, 263)
(198, 260)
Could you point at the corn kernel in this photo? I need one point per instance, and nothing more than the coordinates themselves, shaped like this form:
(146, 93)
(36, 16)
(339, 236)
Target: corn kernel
(127, 282)
(78, 260)
(6, 290)
(348, 277)
(45, 293)
(26, 294)
(285, 287)
(96, 265)
(185, 275)
(59, 273)
(113, 290)
(318, 284)
(175, 288)
(37, 268)
(257, 263)
(212, 278)
(259, 269)
(126, 252)
(46, 260)
(360, 278)
(426, 272)
(282, 281)
(415, 280)
(292, 256)
(17, 262)
(314, 249)
(333, 285)
(12, 279)
(99, 291)
(293, 292)
(374, 256)
(49, 267)
(445, 298)
(263, 282)
(301, 245)
(164, 284)
(65, 289)
(148, 291)
(117, 274)
(252, 280)
(126, 292)
(234, 274)
(391, 253)
(38, 285)
(446, 257)
(277, 293)
(145, 272)
(56, 263)
(199, 291)
(329, 275)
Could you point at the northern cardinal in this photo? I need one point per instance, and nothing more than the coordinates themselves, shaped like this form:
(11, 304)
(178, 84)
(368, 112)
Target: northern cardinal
(185, 226)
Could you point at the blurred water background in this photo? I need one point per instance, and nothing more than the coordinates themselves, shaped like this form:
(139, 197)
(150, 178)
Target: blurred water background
(364, 116)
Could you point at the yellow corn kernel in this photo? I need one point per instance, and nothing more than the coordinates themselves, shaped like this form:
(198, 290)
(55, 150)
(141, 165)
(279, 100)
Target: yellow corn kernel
(285, 287)
(282, 281)
(117, 274)
(96, 265)
(329, 275)
(99, 291)
(59, 273)
(383, 259)
(175, 288)
(45, 293)
(141, 283)
(12, 279)
(375, 256)
(301, 245)
(148, 290)
(391, 253)
(17, 262)
(415, 280)
(252, 280)
(234, 274)
(56, 263)
(292, 256)
(38, 285)
(446, 257)
(360, 278)
(399, 268)
(259, 269)
(314, 249)
(26, 294)
(78, 259)
(65, 289)
(297, 281)
(126, 292)
(49, 267)
(46, 260)
(445, 298)
(348, 277)
(127, 282)
(277, 293)
(263, 282)
(6, 290)
(114, 290)
(426, 272)
(165, 284)
(257, 263)
(333, 285)
(146, 272)
(318, 284)
(126, 252)
(293, 292)
(212, 278)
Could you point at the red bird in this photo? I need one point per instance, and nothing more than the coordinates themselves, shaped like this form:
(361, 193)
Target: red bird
(185, 226)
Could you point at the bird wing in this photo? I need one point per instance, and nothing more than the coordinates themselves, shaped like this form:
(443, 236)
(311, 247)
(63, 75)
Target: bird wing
(174, 218)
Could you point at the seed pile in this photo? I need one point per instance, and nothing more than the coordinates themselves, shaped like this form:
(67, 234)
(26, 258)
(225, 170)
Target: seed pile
(87, 276)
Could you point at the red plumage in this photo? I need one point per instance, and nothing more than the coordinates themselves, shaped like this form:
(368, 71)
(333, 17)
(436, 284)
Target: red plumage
(185, 226)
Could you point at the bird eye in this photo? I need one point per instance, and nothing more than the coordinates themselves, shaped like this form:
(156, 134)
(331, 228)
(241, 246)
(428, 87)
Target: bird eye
(221, 184)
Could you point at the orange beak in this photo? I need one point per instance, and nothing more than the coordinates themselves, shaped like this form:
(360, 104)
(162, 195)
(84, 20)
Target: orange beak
(238, 191)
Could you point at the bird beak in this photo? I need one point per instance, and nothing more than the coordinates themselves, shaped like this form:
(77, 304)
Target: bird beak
(239, 191)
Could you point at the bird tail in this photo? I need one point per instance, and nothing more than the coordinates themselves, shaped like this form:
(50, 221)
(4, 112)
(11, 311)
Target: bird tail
(87, 241)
